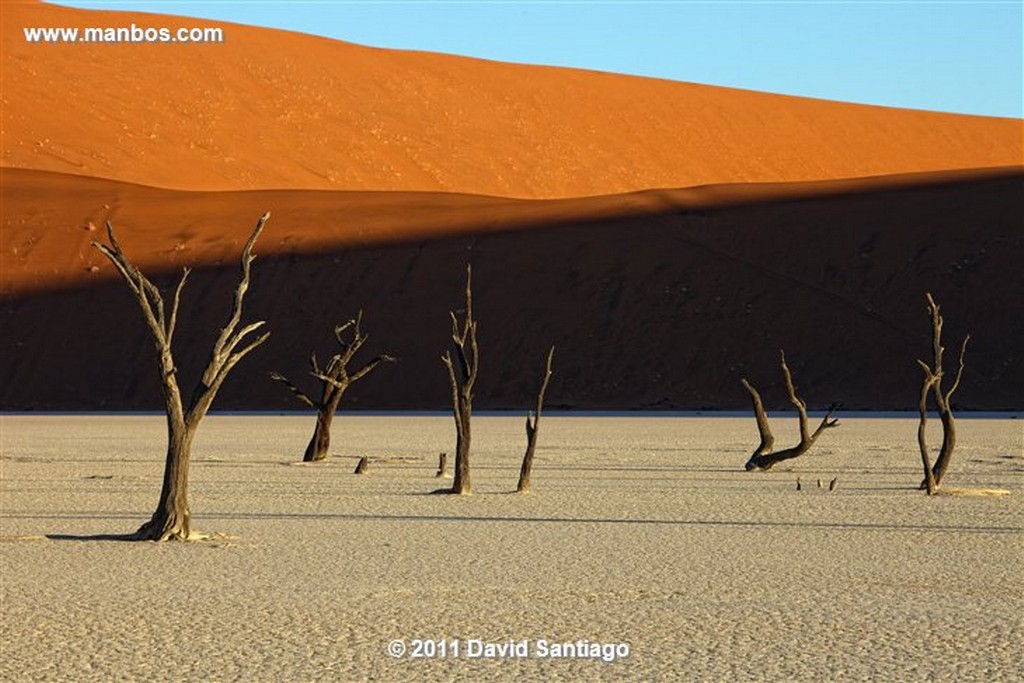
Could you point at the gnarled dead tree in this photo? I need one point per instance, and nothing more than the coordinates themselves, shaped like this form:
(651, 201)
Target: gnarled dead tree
(932, 383)
(764, 458)
(531, 429)
(335, 380)
(172, 518)
(462, 372)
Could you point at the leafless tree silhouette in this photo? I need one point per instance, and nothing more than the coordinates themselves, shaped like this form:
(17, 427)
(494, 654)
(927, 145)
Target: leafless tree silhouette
(532, 427)
(932, 383)
(462, 373)
(335, 379)
(172, 518)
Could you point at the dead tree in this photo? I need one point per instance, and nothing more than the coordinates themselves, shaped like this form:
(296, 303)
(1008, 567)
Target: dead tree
(932, 383)
(172, 518)
(531, 429)
(362, 465)
(462, 372)
(335, 380)
(442, 466)
(763, 457)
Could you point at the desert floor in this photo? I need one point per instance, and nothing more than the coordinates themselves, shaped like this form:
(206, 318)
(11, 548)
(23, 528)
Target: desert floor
(639, 530)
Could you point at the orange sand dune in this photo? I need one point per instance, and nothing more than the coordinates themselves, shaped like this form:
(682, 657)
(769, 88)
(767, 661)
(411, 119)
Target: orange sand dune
(655, 300)
(271, 109)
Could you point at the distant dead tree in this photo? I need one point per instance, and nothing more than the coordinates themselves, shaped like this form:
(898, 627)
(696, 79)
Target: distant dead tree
(932, 383)
(531, 429)
(462, 372)
(172, 518)
(335, 380)
(763, 457)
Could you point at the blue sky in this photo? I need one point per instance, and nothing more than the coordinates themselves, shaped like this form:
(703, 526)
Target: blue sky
(954, 56)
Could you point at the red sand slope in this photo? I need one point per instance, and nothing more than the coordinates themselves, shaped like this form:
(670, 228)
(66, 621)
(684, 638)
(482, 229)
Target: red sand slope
(376, 165)
(657, 300)
(270, 109)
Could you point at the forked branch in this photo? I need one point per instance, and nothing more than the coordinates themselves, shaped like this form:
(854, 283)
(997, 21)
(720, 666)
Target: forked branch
(763, 458)
(226, 352)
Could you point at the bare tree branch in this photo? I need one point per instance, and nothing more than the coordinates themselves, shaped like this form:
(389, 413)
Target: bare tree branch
(763, 428)
(447, 360)
(227, 332)
(299, 394)
(801, 407)
(172, 323)
(363, 371)
(959, 371)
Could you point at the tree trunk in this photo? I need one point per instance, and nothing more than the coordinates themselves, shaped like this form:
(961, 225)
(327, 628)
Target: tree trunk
(462, 484)
(525, 470)
(442, 466)
(922, 441)
(948, 442)
(172, 518)
(321, 439)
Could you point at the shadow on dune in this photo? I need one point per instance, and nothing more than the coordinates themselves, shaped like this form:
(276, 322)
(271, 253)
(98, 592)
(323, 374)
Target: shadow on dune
(655, 310)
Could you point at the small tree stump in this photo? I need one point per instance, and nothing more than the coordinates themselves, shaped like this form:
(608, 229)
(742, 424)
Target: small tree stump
(442, 466)
(362, 465)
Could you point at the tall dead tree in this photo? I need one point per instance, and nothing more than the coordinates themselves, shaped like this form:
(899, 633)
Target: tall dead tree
(763, 457)
(172, 518)
(932, 383)
(335, 379)
(462, 372)
(531, 429)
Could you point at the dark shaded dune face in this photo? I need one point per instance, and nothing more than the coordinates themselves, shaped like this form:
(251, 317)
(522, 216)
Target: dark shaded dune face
(653, 309)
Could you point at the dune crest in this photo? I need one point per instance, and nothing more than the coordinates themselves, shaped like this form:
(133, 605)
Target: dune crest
(251, 113)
